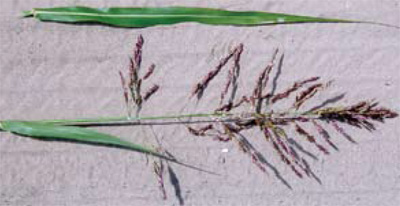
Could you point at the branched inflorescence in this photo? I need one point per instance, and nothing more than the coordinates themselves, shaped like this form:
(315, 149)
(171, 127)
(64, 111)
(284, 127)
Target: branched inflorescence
(273, 124)
(258, 105)
(132, 88)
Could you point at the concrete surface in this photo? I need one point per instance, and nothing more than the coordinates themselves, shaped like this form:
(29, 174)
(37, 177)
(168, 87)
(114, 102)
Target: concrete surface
(50, 70)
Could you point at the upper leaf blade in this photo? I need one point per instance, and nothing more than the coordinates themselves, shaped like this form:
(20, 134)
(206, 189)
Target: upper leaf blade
(145, 17)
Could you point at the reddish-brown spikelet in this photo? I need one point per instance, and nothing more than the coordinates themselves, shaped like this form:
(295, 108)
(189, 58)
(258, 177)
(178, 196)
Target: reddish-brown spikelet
(310, 138)
(282, 145)
(138, 94)
(269, 137)
(201, 131)
(159, 171)
(248, 150)
(257, 162)
(285, 159)
(233, 75)
(150, 92)
(137, 54)
(206, 128)
(289, 151)
(267, 134)
(322, 148)
(227, 85)
(324, 134)
(307, 94)
(358, 115)
(263, 77)
(226, 107)
(136, 60)
(382, 113)
(202, 85)
(261, 83)
(259, 87)
(235, 69)
(296, 171)
(309, 80)
(244, 99)
(238, 54)
(359, 106)
(149, 72)
(242, 145)
(280, 153)
(301, 131)
(222, 138)
(269, 68)
(132, 73)
(295, 87)
(134, 84)
(299, 161)
(193, 131)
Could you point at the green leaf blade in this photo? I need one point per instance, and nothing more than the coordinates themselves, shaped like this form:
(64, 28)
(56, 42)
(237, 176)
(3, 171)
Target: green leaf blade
(71, 133)
(146, 17)
(50, 131)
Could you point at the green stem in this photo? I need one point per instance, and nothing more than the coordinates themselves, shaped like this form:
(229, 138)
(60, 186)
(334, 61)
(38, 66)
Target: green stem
(176, 118)
(125, 119)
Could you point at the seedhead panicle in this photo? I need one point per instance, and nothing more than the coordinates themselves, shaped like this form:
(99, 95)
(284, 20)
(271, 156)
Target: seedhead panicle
(230, 125)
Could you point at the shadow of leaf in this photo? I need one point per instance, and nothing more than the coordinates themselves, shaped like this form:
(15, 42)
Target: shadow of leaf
(175, 183)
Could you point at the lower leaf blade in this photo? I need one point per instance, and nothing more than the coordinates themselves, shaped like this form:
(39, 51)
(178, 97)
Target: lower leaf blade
(71, 133)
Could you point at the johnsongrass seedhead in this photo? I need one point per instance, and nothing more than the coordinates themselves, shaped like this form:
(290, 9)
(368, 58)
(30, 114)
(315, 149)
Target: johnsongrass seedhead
(259, 113)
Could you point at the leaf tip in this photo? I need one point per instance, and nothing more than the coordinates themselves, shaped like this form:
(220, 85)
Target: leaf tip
(26, 14)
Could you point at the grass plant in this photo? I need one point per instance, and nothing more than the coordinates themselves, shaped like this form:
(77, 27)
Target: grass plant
(232, 116)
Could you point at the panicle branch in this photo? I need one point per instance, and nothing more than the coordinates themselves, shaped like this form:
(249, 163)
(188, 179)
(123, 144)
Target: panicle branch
(202, 85)
(132, 90)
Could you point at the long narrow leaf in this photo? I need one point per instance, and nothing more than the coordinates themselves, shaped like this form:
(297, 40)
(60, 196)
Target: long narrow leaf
(146, 17)
(48, 131)
(70, 133)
